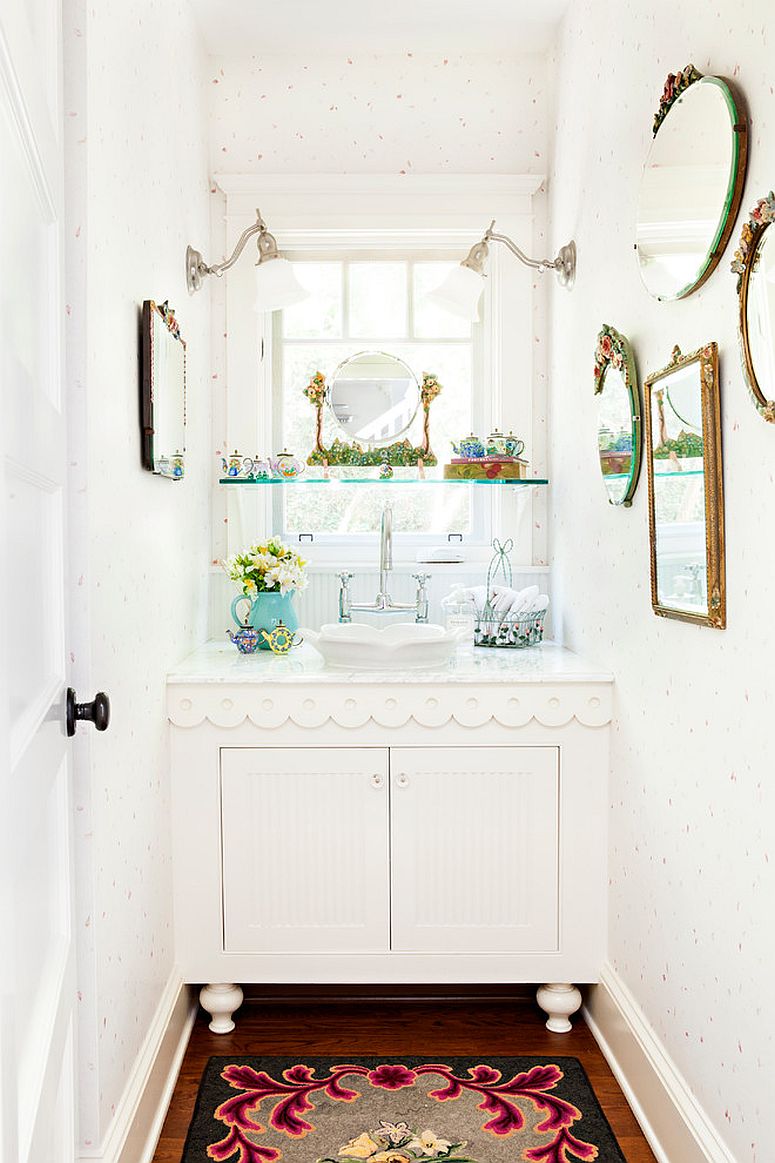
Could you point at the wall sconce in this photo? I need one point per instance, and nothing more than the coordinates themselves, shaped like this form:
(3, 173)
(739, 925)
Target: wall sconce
(276, 283)
(460, 291)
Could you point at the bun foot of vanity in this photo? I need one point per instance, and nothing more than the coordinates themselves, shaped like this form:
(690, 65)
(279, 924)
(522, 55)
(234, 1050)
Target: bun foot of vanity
(220, 1002)
(559, 1000)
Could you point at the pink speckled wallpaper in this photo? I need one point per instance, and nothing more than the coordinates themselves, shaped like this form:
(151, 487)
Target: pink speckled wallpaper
(137, 192)
(692, 795)
(408, 113)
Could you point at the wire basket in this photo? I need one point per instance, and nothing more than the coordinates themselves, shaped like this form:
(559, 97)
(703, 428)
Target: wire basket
(491, 629)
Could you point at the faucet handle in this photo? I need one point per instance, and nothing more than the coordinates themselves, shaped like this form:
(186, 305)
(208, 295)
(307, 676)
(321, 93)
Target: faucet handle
(345, 577)
(422, 578)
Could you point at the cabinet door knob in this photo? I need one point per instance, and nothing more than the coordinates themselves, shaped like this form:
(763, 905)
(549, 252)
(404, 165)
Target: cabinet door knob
(377, 781)
(403, 780)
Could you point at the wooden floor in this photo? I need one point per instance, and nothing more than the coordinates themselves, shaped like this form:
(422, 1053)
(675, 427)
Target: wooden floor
(422, 1027)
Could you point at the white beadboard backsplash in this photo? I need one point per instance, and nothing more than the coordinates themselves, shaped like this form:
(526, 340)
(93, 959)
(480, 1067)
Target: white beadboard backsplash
(320, 601)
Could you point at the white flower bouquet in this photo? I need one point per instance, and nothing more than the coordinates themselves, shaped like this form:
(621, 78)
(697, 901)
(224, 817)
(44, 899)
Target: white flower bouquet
(268, 568)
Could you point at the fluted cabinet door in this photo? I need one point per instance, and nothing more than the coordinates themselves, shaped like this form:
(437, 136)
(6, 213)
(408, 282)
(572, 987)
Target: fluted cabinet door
(474, 838)
(305, 849)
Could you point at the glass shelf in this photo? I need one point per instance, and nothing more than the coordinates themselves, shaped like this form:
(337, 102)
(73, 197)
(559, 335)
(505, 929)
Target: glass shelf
(342, 481)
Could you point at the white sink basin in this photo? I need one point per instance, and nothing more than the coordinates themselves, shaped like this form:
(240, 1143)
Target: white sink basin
(402, 646)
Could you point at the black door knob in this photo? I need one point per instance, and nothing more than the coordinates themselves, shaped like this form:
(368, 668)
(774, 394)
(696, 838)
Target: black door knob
(96, 712)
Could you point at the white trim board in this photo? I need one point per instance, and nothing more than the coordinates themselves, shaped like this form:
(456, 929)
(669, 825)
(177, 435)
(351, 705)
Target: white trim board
(677, 1128)
(369, 201)
(134, 1132)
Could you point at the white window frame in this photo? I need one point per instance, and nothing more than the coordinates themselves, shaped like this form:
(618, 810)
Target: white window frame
(484, 501)
(433, 216)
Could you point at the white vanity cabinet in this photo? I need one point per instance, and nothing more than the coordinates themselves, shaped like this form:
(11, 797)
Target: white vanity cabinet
(334, 827)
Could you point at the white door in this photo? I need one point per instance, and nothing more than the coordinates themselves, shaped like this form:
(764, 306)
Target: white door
(305, 849)
(38, 988)
(474, 849)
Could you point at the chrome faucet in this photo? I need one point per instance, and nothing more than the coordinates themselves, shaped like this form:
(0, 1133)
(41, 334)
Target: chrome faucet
(383, 603)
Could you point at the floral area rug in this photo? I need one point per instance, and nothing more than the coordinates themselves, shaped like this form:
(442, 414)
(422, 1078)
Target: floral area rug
(398, 1110)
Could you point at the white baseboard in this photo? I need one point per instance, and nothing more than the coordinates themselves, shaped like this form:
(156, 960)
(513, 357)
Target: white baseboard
(136, 1126)
(677, 1128)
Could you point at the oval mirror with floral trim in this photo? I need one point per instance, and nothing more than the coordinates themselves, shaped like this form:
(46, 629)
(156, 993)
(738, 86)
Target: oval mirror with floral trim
(692, 183)
(754, 265)
(619, 429)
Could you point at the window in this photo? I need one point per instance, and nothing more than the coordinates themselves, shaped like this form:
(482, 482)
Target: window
(376, 303)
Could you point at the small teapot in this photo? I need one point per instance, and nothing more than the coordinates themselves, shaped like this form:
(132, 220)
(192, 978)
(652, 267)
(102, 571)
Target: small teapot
(246, 639)
(233, 466)
(261, 470)
(177, 464)
(471, 448)
(286, 465)
(514, 446)
(281, 639)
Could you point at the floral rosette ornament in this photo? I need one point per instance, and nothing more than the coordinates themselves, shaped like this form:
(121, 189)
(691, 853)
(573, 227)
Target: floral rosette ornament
(429, 390)
(267, 568)
(675, 85)
(315, 390)
(762, 215)
(610, 350)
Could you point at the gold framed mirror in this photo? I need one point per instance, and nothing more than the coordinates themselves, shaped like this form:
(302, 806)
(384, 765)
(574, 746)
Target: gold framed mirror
(619, 429)
(686, 494)
(692, 183)
(754, 265)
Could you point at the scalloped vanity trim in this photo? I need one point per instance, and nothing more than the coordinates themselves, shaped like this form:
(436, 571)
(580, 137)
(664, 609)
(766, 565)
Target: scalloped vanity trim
(552, 705)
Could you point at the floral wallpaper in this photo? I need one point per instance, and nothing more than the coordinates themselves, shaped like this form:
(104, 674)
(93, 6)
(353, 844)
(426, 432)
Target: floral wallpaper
(137, 192)
(692, 875)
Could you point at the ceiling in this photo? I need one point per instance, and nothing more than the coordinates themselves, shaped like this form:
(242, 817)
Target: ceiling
(287, 27)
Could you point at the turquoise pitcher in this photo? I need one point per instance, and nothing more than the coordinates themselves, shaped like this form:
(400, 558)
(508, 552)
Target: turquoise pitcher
(266, 610)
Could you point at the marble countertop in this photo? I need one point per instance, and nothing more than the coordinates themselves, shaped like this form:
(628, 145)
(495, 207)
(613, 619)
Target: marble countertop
(220, 662)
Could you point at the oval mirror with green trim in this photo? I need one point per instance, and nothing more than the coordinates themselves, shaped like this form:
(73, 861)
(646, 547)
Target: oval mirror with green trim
(754, 265)
(692, 183)
(619, 429)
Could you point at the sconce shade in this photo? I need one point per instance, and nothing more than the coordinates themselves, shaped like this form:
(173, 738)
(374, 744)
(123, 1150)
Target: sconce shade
(277, 285)
(459, 293)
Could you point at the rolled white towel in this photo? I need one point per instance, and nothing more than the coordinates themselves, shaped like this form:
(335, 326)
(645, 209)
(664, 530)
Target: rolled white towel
(502, 598)
(539, 605)
(523, 602)
(477, 595)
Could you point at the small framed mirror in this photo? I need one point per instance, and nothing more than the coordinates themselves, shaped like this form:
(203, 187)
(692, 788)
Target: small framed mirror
(754, 264)
(686, 496)
(692, 183)
(163, 385)
(619, 429)
(374, 399)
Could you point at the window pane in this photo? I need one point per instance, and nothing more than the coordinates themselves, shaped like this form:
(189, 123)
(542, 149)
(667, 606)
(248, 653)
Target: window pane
(321, 314)
(430, 321)
(377, 299)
